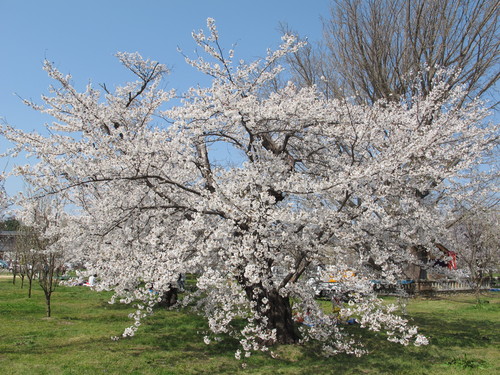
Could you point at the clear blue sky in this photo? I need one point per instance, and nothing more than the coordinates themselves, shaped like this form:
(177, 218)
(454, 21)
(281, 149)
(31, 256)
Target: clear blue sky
(81, 37)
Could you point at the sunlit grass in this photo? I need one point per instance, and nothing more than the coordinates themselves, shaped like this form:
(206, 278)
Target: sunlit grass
(464, 339)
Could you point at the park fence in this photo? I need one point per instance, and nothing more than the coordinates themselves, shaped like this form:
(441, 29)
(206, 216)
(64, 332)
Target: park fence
(425, 287)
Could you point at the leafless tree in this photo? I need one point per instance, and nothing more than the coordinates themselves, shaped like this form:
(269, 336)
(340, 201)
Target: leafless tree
(51, 268)
(27, 252)
(41, 216)
(372, 49)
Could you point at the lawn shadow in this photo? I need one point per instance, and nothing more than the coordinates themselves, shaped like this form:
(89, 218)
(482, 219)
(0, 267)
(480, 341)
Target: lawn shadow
(463, 333)
(446, 338)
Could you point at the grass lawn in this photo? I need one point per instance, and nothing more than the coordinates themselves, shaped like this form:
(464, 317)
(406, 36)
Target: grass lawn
(464, 339)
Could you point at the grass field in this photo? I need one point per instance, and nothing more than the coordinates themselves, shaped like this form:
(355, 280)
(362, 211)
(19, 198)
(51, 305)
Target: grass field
(464, 339)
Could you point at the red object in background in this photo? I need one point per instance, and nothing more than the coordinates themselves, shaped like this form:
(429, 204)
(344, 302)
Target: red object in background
(452, 263)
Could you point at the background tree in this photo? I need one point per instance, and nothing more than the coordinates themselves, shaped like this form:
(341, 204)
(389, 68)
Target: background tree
(27, 249)
(43, 220)
(10, 224)
(476, 238)
(51, 270)
(316, 178)
(374, 49)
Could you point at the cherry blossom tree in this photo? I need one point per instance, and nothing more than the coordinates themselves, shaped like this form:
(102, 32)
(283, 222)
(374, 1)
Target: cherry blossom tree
(310, 181)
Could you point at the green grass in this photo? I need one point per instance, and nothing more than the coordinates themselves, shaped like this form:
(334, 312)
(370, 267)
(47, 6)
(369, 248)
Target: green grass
(464, 339)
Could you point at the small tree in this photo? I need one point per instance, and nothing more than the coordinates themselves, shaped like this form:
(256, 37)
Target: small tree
(51, 269)
(43, 218)
(12, 224)
(27, 248)
(14, 265)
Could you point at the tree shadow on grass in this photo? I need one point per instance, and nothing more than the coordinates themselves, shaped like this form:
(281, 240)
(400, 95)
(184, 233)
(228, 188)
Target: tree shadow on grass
(184, 333)
(446, 338)
(459, 333)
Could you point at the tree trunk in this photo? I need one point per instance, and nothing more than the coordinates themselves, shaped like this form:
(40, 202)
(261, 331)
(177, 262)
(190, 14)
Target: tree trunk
(478, 283)
(47, 301)
(278, 312)
(280, 318)
(169, 298)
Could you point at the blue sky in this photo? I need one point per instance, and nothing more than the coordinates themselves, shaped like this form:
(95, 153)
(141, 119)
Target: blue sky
(81, 37)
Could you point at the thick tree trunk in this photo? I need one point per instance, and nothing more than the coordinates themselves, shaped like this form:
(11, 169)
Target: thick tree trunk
(280, 318)
(278, 312)
(169, 298)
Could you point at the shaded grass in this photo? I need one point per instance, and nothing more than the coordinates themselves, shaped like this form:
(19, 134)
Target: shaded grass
(464, 339)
